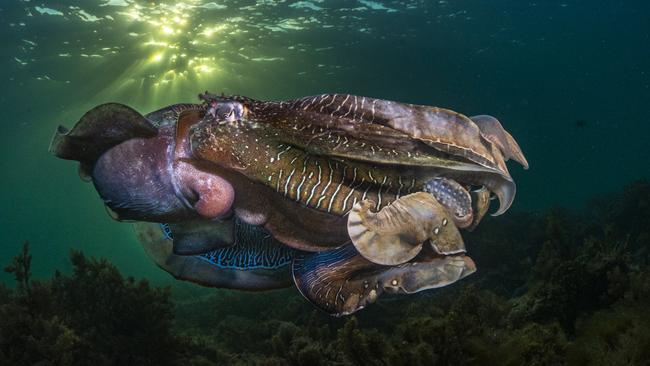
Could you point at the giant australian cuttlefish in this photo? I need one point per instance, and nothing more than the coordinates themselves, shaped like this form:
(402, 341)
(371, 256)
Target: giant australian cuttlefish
(346, 196)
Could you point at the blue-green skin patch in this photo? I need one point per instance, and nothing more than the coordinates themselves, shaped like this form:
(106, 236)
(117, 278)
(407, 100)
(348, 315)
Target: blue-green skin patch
(167, 232)
(254, 248)
(254, 262)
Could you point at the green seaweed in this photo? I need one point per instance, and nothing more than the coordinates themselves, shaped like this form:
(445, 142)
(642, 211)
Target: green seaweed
(93, 316)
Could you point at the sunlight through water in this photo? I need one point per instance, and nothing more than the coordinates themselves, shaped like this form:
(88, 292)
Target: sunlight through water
(163, 49)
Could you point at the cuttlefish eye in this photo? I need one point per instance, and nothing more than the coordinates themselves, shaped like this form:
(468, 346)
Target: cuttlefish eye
(226, 111)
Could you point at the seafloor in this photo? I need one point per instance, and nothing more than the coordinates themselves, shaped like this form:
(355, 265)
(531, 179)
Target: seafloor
(554, 288)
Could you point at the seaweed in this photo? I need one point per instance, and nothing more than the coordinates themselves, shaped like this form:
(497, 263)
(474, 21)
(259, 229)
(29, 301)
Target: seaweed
(94, 316)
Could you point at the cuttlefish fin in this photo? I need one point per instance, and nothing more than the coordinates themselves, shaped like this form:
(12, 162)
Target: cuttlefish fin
(201, 236)
(396, 233)
(494, 132)
(442, 129)
(98, 130)
(341, 281)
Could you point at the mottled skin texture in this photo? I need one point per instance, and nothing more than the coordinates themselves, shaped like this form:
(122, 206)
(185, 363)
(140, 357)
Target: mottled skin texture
(356, 186)
(454, 197)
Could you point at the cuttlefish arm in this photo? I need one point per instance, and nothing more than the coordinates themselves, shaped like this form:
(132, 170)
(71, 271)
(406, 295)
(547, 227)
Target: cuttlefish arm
(396, 233)
(213, 195)
(480, 206)
(342, 281)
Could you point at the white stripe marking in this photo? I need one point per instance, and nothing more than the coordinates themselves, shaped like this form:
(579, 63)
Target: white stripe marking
(286, 185)
(317, 184)
(329, 182)
(338, 188)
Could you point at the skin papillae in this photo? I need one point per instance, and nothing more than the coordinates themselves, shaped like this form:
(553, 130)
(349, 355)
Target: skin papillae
(369, 194)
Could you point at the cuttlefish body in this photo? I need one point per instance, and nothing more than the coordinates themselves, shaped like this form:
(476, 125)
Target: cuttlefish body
(351, 196)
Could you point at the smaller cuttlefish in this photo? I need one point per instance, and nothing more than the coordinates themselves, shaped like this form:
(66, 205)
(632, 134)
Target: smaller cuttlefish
(348, 196)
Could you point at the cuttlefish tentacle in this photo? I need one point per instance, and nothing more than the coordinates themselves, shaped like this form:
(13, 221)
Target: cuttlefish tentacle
(396, 233)
(341, 281)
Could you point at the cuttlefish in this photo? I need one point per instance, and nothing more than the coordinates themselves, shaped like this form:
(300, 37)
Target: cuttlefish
(347, 196)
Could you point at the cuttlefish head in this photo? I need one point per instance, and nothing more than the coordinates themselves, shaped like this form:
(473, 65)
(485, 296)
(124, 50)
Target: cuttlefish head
(142, 171)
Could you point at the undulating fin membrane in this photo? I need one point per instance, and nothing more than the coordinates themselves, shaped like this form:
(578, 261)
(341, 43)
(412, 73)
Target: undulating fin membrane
(201, 236)
(255, 262)
(379, 131)
(493, 131)
(446, 131)
(373, 143)
(101, 128)
(341, 281)
(443, 129)
(379, 144)
(396, 233)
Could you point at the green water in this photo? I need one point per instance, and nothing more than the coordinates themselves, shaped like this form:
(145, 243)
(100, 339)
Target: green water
(569, 79)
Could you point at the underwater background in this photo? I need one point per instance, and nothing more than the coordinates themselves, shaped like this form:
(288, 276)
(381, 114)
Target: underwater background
(563, 277)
